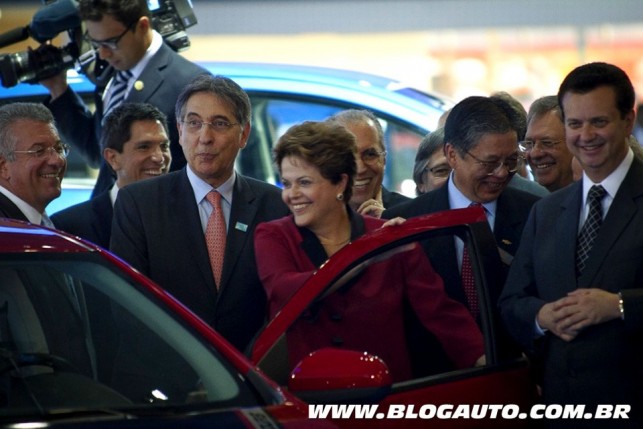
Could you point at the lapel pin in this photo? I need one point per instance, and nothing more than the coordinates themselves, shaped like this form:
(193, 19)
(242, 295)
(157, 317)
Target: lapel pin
(241, 226)
(138, 85)
(506, 242)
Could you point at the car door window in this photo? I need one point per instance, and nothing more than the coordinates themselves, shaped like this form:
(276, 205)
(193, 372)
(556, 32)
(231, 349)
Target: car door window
(74, 326)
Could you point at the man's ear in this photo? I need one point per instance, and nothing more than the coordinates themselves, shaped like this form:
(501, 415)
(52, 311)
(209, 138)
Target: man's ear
(4, 168)
(113, 158)
(451, 155)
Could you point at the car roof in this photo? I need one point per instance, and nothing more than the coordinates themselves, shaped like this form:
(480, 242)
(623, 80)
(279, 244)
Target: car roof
(19, 237)
(389, 97)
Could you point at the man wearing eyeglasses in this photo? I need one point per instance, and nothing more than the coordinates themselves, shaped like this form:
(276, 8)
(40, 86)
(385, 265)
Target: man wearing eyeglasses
(141, 69)
(194, 243)
(369, 196)
(481, 146)
(33, 161)
(544, 145)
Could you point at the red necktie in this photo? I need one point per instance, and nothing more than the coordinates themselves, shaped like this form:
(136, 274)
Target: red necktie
(215, 236)
(468, 280)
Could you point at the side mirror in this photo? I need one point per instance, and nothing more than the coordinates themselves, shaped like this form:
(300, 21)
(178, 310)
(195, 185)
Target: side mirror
(331, 375)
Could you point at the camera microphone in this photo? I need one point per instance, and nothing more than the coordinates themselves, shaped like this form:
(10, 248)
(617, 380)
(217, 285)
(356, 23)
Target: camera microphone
(53, 19)
(14, 36)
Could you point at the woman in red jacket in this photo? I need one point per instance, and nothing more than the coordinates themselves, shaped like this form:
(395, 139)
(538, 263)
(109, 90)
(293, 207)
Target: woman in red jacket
(316, 161)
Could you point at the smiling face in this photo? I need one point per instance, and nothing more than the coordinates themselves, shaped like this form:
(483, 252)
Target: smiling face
(369, 177)
(146, 154)
(552, 167)
(211, 153)
(311, 198)
(596, 133)
(36, 180)
(470, 176)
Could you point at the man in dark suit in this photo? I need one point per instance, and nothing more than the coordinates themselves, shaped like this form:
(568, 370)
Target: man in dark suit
(579, 308)
(33, 161)
(122, 34)
(369, 197)
(481, 147)
(136, 146)
(32, 166)
(160, 224)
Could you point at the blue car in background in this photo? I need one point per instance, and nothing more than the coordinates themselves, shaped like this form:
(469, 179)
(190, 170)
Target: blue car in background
(283, 95)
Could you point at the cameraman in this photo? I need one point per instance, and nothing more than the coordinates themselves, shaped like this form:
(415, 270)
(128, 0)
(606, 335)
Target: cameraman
(122, 34)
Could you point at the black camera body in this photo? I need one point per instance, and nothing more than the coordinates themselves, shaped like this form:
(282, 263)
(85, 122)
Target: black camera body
(169, 17)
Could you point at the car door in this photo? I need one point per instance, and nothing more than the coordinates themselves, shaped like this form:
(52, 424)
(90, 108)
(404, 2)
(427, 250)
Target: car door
(504, 379)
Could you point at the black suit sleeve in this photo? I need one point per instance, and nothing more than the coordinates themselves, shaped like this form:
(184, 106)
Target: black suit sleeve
(128, 239)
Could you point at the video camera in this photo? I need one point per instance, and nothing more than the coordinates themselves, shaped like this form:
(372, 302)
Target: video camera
(169, 17)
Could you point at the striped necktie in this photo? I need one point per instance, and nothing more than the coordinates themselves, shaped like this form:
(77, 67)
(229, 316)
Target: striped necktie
(117, 91)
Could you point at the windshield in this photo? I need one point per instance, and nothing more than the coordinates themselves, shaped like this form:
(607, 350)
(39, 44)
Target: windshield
(75, 334)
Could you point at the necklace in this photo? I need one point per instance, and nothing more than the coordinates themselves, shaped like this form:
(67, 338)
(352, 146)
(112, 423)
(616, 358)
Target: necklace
(328, 243)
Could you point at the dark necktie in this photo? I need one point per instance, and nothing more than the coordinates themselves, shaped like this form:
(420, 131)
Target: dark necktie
(468, 280)
(117, 91)
(590, 229)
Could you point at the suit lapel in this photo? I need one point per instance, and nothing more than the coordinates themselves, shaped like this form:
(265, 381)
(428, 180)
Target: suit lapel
(151, 78)
(567, 232)
(101, 221)
(618, 218)
(10, 210)
(441, 250)
(242, 215)
(506, 227)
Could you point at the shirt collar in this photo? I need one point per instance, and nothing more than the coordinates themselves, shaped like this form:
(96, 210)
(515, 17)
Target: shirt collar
(612, 182)
(113, 193)
(202, 188)
(33, 215)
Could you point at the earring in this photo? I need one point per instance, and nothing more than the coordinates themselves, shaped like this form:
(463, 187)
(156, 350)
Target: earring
(340, 197)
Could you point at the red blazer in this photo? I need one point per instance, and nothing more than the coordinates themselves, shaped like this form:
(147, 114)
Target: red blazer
(368, 315)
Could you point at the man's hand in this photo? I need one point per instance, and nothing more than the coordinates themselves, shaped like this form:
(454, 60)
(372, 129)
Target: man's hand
(56, 85)
(371, 207)
(581, 308)
(586, 307)
(549, 318)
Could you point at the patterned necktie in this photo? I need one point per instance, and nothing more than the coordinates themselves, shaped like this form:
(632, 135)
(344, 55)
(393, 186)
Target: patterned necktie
(46, 221)
(468, 280)
(215, 236)
(590, 229)
(117, 91)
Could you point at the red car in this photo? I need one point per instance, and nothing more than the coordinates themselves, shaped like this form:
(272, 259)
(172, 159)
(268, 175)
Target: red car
(85, 338)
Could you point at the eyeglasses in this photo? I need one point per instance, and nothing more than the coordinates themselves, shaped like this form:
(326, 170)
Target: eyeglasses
(492, 167)
(218, 125)
(439, 171)
(529, 145)
(111, 43)
(370, 156)
(61, 150)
